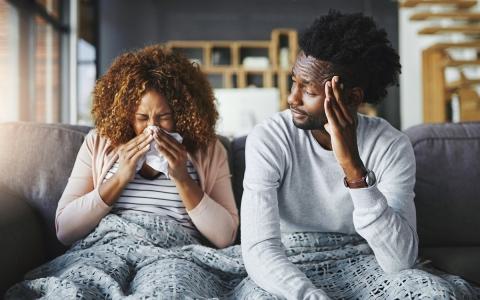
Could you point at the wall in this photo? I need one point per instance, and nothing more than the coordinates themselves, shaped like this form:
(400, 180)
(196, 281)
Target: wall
(126, 25)
(411, 45)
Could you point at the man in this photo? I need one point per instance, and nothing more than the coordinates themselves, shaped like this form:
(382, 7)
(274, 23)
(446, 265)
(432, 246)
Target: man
(321, 167)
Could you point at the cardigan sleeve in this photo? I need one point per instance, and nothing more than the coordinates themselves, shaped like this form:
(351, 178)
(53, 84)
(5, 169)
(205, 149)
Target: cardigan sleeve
(80, 208)
(216, 216)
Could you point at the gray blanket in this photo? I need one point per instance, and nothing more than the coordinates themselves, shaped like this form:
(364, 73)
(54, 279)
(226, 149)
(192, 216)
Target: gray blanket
(140, 256)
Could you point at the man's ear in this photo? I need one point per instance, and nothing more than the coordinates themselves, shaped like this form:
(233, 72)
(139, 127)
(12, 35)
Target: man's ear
(356, 96)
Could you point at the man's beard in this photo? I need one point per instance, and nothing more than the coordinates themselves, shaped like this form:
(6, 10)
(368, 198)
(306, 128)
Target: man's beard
(312, 123)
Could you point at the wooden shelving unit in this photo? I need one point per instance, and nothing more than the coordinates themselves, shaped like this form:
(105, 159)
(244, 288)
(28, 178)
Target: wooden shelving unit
(438, 93)
(467, 29)
(455, 15)
(462, 63)
(224, 61)
(461, 4)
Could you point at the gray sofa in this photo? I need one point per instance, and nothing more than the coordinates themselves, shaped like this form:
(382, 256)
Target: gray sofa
(36, 160)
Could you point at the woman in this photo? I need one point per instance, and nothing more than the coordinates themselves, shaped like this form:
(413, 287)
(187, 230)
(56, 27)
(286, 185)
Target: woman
(151, 87)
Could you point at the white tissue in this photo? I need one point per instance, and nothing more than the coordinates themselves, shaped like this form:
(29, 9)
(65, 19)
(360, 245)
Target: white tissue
(153, 158)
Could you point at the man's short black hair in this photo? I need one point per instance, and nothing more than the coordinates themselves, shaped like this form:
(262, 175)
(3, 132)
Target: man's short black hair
(355, 47)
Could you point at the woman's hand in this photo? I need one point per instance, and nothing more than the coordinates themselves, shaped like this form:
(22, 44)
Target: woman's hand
(176, 155)
(130, 153)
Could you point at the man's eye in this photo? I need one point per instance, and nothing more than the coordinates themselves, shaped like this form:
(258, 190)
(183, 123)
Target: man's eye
(309, 93)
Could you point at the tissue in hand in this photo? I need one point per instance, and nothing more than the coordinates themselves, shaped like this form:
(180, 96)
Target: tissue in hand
(153, 158)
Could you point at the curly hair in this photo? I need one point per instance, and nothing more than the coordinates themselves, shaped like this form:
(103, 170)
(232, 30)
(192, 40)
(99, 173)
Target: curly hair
(118, 93)
(358, 51)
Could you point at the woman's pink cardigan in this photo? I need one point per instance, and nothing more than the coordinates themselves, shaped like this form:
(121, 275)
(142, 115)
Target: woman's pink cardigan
(81, 208)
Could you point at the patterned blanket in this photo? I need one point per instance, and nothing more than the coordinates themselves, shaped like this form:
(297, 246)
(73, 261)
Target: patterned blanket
(140, 256)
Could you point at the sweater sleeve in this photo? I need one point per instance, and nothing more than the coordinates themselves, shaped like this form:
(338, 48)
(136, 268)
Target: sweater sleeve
(80, 208)
(263, 252)
(216, 216)
(384, 214)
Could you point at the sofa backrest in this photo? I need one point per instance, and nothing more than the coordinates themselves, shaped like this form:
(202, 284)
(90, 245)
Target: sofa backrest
(447, 183)
(35, 163)
(237, 157)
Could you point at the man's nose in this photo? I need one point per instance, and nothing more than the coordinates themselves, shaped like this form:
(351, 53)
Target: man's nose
(295, 98)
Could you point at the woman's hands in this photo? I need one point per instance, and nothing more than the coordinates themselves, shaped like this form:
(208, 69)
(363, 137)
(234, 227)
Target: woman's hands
(130, 153)
(128, 156)
(342, 127)
(176, 155)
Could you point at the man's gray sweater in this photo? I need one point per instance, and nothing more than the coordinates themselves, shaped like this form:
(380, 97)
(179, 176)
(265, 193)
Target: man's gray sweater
(292, 184)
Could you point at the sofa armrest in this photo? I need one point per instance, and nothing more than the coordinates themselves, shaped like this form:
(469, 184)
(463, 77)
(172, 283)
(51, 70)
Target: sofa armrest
(21, 239)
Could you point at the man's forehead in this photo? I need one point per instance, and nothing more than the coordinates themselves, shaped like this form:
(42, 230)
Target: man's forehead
(311, 70)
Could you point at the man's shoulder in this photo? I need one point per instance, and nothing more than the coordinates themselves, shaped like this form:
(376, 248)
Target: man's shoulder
(377, 128)
(276, 126)
(271, 134)
(379, 138)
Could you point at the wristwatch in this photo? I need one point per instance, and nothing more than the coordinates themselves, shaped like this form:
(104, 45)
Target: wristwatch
(366, 181)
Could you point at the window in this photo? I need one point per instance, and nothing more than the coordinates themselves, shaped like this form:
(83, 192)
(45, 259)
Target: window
(30, 55)
(48, 64)
(9, 44)
(86, 60)
(46, 93)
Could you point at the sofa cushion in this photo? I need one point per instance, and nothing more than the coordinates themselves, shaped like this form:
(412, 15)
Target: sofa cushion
(447, 183)
(35, 163)
(20, 232)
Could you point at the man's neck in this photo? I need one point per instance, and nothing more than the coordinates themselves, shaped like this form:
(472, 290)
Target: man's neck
(323, 138)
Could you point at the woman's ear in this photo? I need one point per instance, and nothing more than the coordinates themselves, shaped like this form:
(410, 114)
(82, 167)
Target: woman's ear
(356, 97)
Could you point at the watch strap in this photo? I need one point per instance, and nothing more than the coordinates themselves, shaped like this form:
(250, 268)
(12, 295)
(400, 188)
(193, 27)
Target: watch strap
(356, 183)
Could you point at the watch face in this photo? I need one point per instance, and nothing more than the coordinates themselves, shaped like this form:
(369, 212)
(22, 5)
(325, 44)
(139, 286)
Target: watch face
(370, 179)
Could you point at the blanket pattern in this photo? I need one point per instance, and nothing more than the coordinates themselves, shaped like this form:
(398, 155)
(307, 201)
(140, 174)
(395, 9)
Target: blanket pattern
(143, 256)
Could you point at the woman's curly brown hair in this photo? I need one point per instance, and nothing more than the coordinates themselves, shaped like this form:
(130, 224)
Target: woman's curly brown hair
(117, 96)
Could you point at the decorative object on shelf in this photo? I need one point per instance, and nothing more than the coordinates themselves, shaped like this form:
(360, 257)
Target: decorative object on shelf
(284, 58)
(255, 62)
(241, 109)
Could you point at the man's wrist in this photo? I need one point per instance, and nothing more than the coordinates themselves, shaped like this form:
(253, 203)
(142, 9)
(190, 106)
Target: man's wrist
(355, 171)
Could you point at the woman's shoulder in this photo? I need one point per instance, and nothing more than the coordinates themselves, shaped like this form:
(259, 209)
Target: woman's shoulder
(214, 151)
(94, 140)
